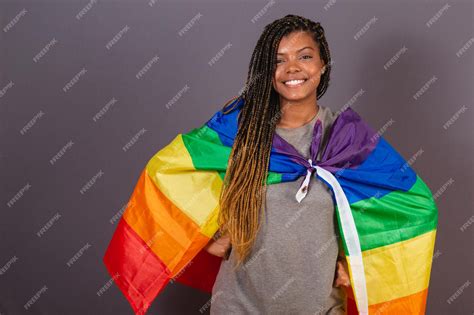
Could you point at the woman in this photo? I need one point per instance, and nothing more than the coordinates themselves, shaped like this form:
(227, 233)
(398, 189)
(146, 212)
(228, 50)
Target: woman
(287, 250)
(208, 181)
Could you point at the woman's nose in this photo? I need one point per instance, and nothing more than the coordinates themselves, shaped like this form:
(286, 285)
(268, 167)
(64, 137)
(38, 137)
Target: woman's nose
(292, 66)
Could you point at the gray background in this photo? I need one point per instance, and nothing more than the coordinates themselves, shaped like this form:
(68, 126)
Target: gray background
(29, 88)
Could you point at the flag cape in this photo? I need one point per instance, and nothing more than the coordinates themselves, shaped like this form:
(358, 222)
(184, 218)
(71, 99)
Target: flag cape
(386, 214)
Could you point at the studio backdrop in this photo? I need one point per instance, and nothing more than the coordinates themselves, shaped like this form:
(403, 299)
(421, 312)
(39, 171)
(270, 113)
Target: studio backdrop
(90, 90)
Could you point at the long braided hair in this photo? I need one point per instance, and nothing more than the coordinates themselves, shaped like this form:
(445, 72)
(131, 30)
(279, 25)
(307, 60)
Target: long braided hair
(242, 199)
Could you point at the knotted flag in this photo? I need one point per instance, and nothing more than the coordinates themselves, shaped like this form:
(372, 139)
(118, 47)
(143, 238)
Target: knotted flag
(386, 214)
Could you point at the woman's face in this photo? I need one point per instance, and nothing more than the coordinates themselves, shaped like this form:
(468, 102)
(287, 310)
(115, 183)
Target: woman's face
(297, 59)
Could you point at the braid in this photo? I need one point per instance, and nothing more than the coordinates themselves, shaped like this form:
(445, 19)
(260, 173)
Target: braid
(242, 199)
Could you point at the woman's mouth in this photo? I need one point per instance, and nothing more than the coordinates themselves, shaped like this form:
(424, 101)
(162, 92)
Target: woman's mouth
(294, 83)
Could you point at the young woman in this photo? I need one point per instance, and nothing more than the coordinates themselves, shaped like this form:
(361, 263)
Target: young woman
(281, 254)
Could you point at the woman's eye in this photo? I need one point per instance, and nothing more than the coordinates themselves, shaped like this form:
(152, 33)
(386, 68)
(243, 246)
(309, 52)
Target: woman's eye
(309, 57)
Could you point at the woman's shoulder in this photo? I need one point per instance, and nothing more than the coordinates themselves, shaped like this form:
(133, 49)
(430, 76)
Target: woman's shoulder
(327, 115)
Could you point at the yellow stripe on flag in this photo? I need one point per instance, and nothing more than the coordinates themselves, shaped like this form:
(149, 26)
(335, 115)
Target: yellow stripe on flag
(398, 270)
(195, 192)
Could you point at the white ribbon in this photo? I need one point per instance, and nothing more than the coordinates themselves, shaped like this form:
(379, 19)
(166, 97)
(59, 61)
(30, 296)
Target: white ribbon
(349, 230)
(301, 193)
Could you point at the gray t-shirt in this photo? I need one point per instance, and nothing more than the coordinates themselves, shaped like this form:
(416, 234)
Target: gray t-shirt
(293, 262)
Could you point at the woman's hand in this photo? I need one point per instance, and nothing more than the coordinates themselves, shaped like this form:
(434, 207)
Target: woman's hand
(220, 247)
(342, 277)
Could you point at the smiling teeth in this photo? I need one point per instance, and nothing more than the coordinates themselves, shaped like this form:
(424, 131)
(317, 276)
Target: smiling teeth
(294, 82)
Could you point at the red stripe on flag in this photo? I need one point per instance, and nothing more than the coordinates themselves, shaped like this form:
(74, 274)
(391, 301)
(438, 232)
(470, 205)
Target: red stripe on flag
(136, 270)
(201, 272)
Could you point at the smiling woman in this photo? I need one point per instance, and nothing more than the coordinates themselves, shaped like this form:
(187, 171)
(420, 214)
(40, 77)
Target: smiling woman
(297, 76)
(290, 48)
(275, 231)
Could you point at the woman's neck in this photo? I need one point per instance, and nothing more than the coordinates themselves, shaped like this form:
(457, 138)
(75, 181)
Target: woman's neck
(294, 116)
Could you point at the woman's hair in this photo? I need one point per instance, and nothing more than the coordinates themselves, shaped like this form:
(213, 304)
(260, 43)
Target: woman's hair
(242, 199)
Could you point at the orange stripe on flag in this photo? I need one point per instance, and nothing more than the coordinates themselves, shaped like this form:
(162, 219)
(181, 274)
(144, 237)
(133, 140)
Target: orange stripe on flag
(164, 228)
(411, 304)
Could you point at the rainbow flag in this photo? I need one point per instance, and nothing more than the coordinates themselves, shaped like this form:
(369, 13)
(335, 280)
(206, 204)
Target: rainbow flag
(386, 214)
